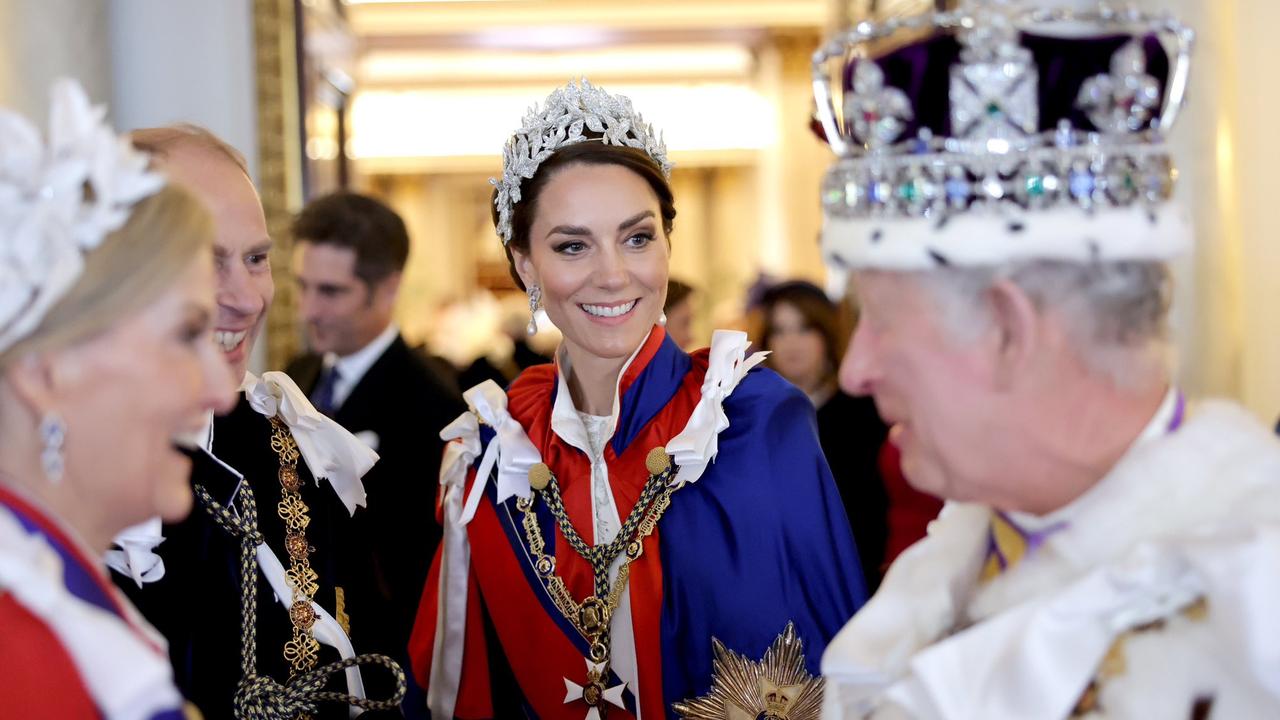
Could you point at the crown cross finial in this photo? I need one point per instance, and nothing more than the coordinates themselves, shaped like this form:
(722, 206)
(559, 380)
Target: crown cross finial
(995, 98)
(876, 114)
(1124, 100)
(990, 33)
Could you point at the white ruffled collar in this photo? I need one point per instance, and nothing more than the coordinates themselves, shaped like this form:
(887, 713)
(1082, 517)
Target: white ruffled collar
(896, 640)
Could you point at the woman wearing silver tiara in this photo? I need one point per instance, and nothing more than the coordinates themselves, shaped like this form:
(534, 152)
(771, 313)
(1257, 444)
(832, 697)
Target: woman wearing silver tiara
(617, 521)
(106, 303)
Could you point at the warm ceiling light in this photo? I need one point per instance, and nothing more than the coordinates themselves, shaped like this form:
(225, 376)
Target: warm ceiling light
(693, 61)
(405, 2)
(476, 121)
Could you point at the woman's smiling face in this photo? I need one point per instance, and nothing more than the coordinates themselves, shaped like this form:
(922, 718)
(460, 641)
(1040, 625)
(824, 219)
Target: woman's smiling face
(598, 252)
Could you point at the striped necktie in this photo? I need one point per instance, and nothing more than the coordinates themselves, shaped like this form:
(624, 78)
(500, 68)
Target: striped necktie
(322, 396)
(1008, 543)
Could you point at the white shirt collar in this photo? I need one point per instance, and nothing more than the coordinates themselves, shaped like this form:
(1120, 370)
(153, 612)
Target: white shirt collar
(565, 421)
(351, 368)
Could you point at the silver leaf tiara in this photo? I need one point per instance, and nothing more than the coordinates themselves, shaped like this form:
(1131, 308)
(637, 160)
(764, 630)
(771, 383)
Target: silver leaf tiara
(58, 200)
(567, 114)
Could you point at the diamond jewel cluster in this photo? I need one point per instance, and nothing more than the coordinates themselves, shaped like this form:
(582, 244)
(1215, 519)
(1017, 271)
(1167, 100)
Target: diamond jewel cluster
(936, 176)
(577, 112)
(997, 158)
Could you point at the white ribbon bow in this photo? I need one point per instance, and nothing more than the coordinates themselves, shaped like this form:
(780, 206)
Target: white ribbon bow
(330, 451)
(698, 443)
(136, 556)
(462, 438)
(511, 450)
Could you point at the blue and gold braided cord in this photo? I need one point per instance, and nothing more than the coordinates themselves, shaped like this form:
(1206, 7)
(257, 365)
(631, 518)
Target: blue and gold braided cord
(259, 697)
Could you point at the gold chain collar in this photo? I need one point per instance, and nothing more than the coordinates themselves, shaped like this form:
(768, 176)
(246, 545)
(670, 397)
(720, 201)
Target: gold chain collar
(302, 651)
(591, 616)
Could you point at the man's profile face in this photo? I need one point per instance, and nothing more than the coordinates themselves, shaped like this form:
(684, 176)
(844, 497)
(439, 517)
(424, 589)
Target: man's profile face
(241, 246)
(932, 388)
(338, 310)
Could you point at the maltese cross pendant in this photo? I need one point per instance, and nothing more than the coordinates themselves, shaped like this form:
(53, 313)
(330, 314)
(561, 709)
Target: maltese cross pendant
(595, 693)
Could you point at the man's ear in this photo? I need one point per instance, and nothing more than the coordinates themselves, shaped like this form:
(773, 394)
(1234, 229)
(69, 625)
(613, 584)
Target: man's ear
(524, 267)
(387, 288)
(1018, 328)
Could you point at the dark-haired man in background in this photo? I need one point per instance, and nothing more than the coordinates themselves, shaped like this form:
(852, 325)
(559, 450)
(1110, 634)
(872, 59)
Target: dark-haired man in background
(348, 259)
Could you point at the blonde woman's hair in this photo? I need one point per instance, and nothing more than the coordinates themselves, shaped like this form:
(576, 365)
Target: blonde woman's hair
(130, 269)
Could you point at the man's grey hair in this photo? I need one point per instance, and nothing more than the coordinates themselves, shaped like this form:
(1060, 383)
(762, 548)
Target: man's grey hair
(1116, 313)
(159, 141)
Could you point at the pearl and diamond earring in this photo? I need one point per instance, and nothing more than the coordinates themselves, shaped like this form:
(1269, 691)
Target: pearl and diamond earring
(535, 300)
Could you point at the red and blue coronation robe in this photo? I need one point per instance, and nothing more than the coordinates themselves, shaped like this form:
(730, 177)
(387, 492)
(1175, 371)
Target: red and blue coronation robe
(759, 540)
(70, 644)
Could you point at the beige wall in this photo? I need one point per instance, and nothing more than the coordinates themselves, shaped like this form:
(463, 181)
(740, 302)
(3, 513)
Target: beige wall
(791, 171)
(1227, 149)
(1243, 34)
(42, 40)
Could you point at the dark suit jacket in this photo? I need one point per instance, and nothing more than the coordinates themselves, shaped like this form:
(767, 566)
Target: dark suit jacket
(197, 604)
(851, 433)
(406, 406)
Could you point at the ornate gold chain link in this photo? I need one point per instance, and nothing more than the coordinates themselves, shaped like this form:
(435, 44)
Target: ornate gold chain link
(591, 616)
(302, 651)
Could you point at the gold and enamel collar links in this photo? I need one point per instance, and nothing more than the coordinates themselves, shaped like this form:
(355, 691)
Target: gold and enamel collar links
(591, 617)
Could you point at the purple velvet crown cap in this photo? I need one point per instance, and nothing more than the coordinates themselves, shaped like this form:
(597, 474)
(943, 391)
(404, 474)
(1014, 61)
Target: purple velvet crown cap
(922, 70)
(999, 133)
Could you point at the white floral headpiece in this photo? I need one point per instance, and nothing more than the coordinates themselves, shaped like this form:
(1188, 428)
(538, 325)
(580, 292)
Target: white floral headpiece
(567, 113)
(59, 201)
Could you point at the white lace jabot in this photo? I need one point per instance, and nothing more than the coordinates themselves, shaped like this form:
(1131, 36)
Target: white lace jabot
(599, 430)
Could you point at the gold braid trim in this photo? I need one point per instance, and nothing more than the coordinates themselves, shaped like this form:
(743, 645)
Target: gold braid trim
(303, 650)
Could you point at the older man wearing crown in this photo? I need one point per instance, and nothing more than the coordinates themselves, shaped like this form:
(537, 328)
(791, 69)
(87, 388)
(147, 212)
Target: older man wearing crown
(1002, 202)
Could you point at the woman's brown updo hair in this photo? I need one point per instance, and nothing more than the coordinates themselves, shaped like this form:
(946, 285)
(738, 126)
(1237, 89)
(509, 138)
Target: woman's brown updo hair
(830, 320)
(589, 152)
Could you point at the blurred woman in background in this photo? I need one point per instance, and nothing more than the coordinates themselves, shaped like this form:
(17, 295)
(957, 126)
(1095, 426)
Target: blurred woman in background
(678, 310)
(805, 333)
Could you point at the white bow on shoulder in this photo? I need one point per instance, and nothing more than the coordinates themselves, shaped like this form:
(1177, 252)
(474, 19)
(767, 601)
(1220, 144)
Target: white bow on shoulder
(511, 451)
(330, 451)
(698, 443)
